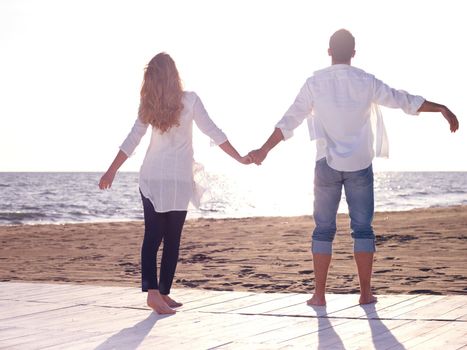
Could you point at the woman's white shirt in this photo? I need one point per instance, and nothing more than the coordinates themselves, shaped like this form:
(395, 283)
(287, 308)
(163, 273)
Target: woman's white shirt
(166, 176)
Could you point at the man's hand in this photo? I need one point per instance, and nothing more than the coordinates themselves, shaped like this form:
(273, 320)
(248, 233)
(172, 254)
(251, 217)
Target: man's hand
(257, 156)
(451, 118)
(428, 106)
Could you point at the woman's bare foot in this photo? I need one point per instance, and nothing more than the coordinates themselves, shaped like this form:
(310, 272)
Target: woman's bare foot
(169, 301)
(316, 300)
(157, 303)
(367, 299)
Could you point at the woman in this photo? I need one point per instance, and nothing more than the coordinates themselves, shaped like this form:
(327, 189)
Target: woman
(166, 175)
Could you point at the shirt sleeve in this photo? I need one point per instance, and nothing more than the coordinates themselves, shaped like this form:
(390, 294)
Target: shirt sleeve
(389, 97)
(134, 137)
(297, 112)
(205, 124)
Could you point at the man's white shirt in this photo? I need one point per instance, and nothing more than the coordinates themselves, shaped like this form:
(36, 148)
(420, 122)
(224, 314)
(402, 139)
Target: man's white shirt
(340, 104)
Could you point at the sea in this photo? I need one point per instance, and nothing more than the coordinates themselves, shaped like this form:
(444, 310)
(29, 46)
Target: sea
(60, 197)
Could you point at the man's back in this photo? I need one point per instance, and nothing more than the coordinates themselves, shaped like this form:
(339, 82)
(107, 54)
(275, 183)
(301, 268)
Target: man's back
(338, 100)
(342, 96)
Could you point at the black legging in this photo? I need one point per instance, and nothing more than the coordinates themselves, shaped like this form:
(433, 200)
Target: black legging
(157, 227)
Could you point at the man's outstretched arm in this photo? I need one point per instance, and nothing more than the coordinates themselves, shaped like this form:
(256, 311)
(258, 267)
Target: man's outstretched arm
(428, 106)
(260, 154)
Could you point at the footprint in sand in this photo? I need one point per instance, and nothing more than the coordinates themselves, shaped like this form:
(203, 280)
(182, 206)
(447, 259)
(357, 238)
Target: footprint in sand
(193, 283)
(248, 285)
(280, 286)
(384, 271)
(424, 291)
(199, 257)
(244, 272)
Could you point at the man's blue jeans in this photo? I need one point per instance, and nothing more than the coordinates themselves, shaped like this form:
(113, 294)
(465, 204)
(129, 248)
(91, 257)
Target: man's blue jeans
(358, 186)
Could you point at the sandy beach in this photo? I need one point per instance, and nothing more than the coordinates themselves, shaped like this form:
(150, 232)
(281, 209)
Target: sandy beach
(418, 251)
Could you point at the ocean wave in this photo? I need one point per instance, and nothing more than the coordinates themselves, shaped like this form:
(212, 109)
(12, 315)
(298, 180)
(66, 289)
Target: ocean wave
(21, 215)
(29, 198)
(78, 213)
(48, 193)
(456, 192)
(15, 218)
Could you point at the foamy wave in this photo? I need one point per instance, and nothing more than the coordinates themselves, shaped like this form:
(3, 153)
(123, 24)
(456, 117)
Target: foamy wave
(28, 198)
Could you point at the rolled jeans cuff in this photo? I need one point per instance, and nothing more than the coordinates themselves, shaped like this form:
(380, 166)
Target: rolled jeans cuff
(364, 245)
(321, 247)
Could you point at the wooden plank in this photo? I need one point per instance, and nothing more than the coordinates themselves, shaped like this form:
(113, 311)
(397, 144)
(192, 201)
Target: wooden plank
(413, 308)
(402, 334)
(435, 310)
(43, 318)
(10, 333)
(439, 337)
(42, 340)
(245, 327)
(273, 305)
(354, 334)
(131, 332)
(295, 327)
(237, 305)
(85, 295)
(457, 308)
(9, 309)
(21, 291)
(374, 310)
(86, 317)
(240, 345)
(227, 327)
(335, 302)
(401, 304)
(214, 300)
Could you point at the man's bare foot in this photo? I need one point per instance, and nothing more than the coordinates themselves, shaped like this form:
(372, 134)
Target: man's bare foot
(169, 301)
(367, 299)
(316, 301)
(158, 304)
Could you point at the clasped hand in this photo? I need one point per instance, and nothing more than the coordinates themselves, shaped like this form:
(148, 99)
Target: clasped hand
(256, 156)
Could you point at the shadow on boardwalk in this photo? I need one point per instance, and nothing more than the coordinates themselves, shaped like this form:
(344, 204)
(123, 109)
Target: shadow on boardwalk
(380, 334)
(130, 338)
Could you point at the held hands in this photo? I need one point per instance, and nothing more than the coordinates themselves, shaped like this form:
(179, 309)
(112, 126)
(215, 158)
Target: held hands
(253, 157)
(245, 160)
(257, 156)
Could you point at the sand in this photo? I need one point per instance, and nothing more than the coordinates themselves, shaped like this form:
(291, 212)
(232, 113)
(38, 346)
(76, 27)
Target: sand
(418, 251)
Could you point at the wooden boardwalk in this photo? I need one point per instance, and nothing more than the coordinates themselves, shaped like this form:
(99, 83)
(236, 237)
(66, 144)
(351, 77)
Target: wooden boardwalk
(63, 316)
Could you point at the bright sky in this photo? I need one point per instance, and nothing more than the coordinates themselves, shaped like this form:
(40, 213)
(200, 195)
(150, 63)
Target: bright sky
(70, 74)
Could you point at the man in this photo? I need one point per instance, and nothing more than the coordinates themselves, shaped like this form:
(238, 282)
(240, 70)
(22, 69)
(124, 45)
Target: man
(340, 103)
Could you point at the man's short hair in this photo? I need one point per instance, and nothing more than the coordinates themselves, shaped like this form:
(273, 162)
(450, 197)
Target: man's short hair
(342, 45)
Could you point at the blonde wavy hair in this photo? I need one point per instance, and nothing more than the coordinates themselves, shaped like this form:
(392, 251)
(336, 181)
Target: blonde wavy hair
(161, 94)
